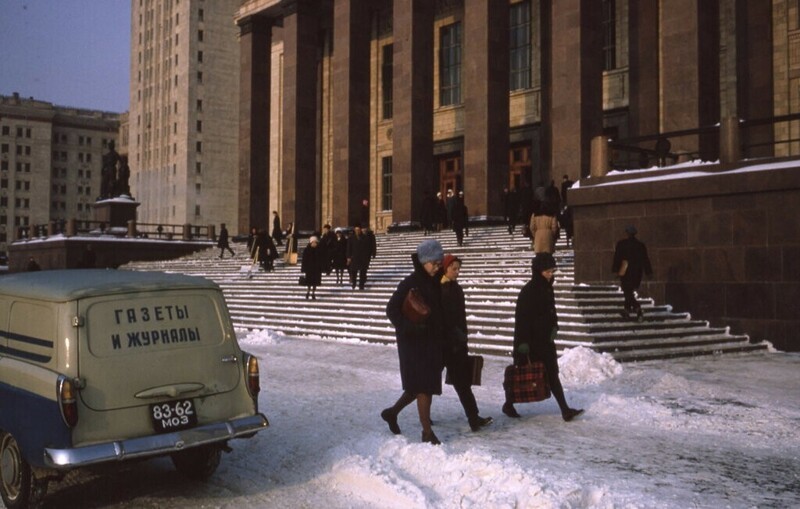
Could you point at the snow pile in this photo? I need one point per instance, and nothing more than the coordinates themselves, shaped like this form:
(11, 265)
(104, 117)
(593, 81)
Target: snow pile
(395, 473)
(262, 337)
(582, 366)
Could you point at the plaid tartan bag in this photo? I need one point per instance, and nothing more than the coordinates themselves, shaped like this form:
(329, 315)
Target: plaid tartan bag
(526, 383)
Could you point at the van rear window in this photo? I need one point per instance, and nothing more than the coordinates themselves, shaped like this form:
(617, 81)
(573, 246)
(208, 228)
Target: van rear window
(152, 324)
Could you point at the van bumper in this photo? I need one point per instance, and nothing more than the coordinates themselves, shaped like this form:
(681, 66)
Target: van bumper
(154, 445)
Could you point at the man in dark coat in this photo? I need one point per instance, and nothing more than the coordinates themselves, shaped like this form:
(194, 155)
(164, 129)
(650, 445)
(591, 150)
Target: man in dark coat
(222, 242)
(630, 263)
(312, 265)
(566, 183)
(535, 328)
(327, 242)
(428, 213)
(267, 251)
(420, 345)
(277, 233)
(459, 217)
(360, 249)
(510, 208)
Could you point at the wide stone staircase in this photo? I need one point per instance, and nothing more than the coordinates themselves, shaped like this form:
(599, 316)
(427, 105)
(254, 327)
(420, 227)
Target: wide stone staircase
(496, 266)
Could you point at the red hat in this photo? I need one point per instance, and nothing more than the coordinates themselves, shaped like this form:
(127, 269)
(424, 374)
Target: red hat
(448, 259)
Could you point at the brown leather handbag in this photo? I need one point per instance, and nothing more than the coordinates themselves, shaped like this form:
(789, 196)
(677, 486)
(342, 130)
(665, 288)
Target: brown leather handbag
(414, 306)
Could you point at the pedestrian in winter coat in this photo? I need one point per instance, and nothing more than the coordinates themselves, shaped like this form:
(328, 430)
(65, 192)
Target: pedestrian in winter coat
(441, 212)
(326, 244)
(460, 217)
(222, 242)
(630, 263)
(456, 353)
(339, 256)
(313, 264)
(535, 328)
(267, 252)
(277, 233)
(428, 213)
(544, 230)
(360, 249)
(449, 205)
(510, 208)
(420, 345)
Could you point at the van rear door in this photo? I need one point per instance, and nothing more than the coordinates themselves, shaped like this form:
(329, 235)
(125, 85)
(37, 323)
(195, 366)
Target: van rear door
(142, 348)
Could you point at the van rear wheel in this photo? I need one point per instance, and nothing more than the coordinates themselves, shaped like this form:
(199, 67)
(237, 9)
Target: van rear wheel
(19, 488)
(198, 463)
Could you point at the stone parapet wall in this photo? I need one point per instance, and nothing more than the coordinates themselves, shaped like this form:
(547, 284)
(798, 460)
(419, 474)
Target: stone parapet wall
(724, 241)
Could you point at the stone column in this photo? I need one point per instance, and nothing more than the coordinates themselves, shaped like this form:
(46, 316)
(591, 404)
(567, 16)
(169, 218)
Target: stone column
(255, 41)
(300, 89)
(690, 72)
(486, 104)
(755, 97)
(572, 99)
(350, 115)
(644, 67)
(412, 138)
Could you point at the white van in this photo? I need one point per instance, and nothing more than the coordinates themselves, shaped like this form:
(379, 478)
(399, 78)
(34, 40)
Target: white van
(105, 365)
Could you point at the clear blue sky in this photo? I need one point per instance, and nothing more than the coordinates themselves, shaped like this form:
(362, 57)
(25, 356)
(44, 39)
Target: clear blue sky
(68, 52)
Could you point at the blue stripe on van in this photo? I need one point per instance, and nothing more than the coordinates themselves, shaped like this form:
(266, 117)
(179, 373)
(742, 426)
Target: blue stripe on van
(28, 340)
(34, 421)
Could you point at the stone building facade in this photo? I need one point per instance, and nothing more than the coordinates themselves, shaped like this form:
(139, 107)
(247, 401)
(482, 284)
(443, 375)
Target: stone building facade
(183, 119)
(50, 162)
(387, 100)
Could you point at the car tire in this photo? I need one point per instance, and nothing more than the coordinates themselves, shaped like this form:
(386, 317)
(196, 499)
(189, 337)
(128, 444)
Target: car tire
(198, 463)
(19, 488)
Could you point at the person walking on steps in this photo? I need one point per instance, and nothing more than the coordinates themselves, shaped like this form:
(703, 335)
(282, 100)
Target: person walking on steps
(312, 265)
(339, 256)
(630, 263)
(360, 250)
(420, 346)
(535, 328)
(456, 354)
(222, 242)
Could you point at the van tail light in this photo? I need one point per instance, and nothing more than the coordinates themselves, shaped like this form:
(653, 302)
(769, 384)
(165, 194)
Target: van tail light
(68, 401)
(253, 376)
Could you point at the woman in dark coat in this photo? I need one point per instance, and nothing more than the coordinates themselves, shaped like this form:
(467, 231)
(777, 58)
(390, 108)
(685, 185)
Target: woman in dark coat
(535, 327)
(419, 345)
(456, 353)
(339, 255)
(313, 264)
(267, 252)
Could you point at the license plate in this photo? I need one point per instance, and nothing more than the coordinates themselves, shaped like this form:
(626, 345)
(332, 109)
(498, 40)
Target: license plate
(173, 416)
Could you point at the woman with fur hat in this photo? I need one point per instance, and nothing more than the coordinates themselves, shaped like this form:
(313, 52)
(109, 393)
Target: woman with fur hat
(535, 328)
(420, 342)
(314, 262)
(456, 353)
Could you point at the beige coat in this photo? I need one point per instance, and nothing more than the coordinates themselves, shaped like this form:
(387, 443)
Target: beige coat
(544, 230)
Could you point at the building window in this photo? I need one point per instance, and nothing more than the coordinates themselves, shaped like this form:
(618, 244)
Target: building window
(199, 126)
(199, 146)
(200, 35)
(520, 46)
(196, 210)
(4, 148)
(197, 188)
(4, 166)
(199, 105)
(199, 56)
(199, 76)
(450, 65)
(198, 167)
(200, 14)
(4, 183)
(386, 173)
(609, 35)
(387, 73)
(6, 130)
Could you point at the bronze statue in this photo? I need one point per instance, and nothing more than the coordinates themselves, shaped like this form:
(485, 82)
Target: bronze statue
(108, 173)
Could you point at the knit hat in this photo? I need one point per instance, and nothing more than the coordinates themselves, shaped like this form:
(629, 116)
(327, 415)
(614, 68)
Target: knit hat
(429, 250)
(313, 238)
(631, 230)
(542, 262)
(448, 259)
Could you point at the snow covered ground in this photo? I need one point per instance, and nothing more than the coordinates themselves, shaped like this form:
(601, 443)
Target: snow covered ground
(709, 432)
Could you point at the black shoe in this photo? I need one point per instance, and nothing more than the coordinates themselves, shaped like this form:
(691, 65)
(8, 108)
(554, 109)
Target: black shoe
(391, 419)
(314, 297)
(306, 296)
(639, 316)
(430, 438)
(509, 410)
(478, 422)
(571, 413)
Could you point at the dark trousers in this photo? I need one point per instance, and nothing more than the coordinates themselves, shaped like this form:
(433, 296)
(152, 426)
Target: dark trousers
(459, 235)
(628, 289)
(459, 369)
(361, 274)
(222, 251)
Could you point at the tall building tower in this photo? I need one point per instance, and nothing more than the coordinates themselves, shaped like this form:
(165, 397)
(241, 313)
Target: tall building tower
(183, 117)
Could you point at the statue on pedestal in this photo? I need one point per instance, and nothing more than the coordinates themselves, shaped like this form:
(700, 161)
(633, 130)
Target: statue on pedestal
(108, 174)
(121, 186)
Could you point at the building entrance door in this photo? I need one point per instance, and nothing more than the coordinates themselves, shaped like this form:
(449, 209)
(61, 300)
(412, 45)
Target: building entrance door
(450, 177)
(519, 166)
